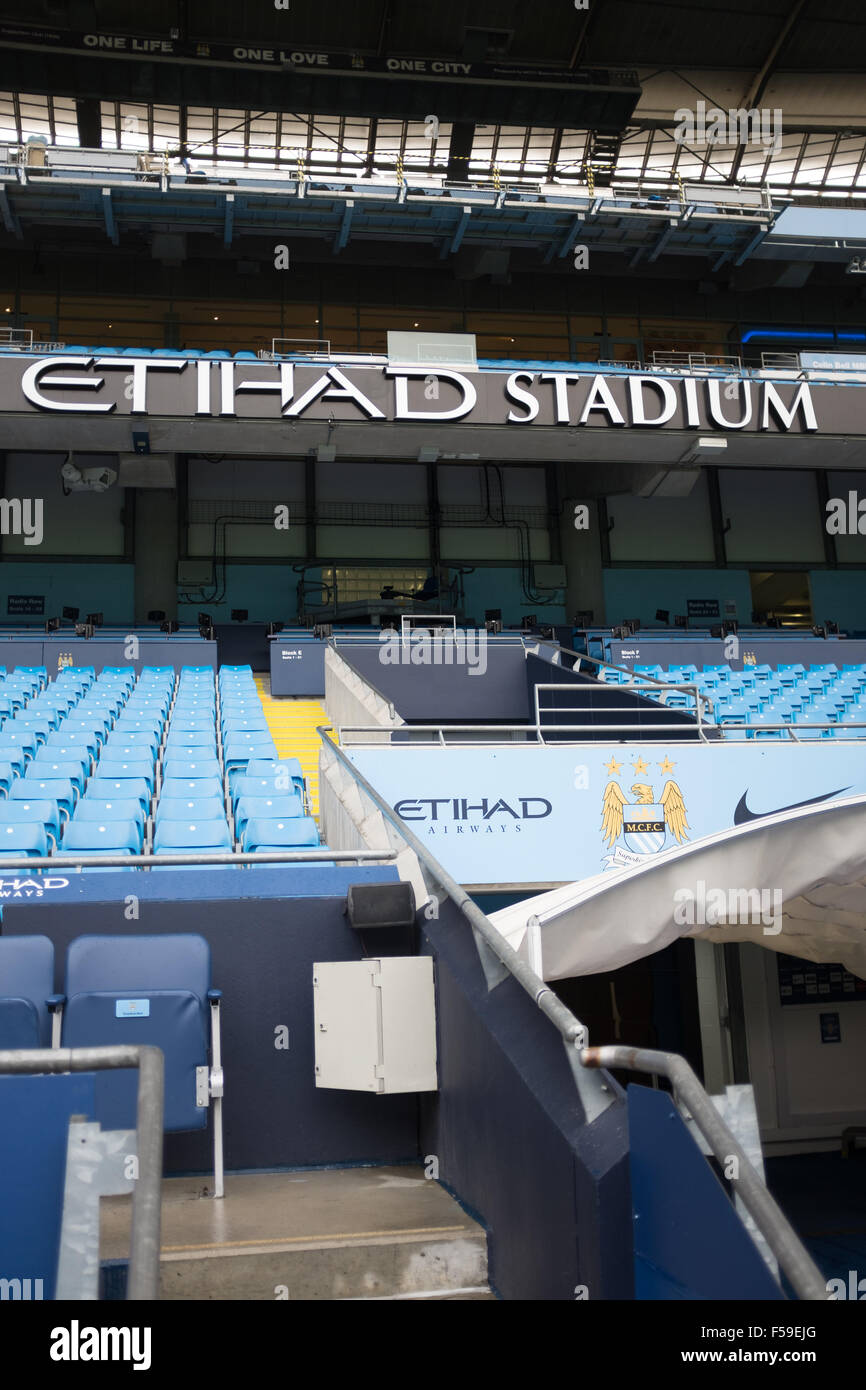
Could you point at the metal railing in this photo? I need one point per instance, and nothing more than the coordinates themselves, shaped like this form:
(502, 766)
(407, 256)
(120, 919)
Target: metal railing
(73, 862)
(296, 347)
(794, 1260)
(143, 1282)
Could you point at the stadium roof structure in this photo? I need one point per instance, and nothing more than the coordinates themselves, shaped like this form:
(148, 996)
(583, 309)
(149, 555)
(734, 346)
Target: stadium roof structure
(501, 93)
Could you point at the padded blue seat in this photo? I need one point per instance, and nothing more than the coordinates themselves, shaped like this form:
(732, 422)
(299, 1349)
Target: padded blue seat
(149, 991)
(273, 835)
(39, 811)
(285, 806)
(18, 841)
(184, 836)
(27, 998)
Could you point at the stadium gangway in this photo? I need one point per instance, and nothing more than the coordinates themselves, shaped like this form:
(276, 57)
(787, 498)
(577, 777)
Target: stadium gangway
(143, 1283)
(586, 1062)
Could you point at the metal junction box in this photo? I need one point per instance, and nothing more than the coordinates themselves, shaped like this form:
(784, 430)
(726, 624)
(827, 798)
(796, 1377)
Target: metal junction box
(375, 1024)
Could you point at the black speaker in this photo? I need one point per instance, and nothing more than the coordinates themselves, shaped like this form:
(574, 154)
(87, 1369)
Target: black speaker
(370, 905)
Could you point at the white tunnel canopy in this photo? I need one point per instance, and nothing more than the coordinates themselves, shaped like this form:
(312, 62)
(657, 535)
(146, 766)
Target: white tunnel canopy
(793, 882)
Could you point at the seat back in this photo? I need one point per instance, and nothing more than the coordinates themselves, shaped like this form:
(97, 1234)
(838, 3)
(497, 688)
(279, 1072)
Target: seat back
(146, 991)
(26, 981)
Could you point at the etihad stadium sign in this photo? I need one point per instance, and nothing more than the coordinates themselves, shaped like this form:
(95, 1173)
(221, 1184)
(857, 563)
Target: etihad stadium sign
(203, 388)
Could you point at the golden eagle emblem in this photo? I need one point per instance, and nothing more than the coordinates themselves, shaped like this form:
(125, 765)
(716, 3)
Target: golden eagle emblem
(644, 827)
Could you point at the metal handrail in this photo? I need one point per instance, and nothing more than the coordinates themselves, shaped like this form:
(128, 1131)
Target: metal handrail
(620, 731)
(35, 863)
(143, 1283)
(794, 1260)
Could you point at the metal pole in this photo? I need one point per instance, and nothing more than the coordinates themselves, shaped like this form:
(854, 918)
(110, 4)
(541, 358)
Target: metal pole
(133, 861)
(144, 1249)
(794, 1260)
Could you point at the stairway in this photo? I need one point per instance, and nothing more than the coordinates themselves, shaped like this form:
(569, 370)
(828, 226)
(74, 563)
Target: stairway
(292, 722)
(350, 1233)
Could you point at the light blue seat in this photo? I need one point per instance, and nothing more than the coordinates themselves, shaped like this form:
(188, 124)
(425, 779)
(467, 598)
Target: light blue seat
(132, 738)
(190, 808)
(13, 755)
(138, 768)
(287, 773)
(38, 811)
(59, 790)
(101, 787)
(149, 991)
(73, 770)
(117, 808)
(196, 745)
(269, 836)
(27, 998)
(191, 788)
(185, 836)
(285, 806)
(120, 751)
(25, 739)
(38, 725)
(7, 777)
(180, 765)
(28, 840)
(101, 837)
(67, 739)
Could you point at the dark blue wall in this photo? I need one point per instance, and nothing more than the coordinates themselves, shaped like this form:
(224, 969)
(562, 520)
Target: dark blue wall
(457, 693)
(507, 1128)
(263, 950)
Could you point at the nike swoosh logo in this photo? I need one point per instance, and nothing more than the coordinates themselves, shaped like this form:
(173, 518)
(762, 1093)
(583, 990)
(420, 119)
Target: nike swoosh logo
(743, 815)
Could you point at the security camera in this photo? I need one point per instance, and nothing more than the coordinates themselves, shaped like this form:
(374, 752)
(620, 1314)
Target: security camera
(74, 479)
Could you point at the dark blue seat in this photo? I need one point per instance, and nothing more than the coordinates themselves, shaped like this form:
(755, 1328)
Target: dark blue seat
(27, 999)
(150, 991)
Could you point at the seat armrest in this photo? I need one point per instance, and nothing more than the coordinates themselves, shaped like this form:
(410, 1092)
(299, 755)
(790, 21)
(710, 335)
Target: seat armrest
(214, 996)
(55, 1002)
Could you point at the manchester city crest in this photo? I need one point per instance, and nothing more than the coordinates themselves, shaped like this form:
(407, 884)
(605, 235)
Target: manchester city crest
(641, 825)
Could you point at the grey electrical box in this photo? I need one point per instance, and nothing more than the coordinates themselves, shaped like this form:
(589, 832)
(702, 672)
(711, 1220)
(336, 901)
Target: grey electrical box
(375, 1025)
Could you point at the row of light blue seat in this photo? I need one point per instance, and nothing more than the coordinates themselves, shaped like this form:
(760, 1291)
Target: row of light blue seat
(94, 783)
(825, 701)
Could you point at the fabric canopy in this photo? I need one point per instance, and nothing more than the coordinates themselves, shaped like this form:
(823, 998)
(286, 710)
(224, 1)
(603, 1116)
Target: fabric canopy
(793, 882)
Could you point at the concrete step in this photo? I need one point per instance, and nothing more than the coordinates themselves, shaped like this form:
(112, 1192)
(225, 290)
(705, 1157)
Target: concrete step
(348, 1233)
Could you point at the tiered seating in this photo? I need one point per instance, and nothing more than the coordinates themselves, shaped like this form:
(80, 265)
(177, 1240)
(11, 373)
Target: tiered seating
(111, 765)
(821, 702)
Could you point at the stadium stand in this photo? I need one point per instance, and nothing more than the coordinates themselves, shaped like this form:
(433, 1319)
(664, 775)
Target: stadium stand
(361, 368)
